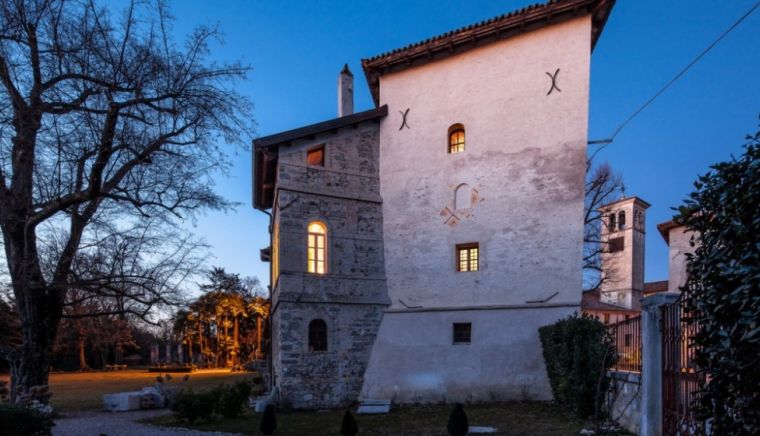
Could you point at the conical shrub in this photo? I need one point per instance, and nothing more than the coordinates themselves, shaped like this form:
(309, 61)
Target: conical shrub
(349, 427)
(458, 425)
(268, 421)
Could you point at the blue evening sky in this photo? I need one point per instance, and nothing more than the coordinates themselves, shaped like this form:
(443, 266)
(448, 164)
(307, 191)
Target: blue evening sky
(296, 49)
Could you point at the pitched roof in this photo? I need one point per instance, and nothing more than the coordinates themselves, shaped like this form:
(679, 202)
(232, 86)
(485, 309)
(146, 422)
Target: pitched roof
(664, 229)
(495, 29)
(266, 150)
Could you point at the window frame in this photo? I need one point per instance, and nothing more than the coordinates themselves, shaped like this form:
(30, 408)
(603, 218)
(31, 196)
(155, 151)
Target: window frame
(314, 262)
(312, 335)
(457, 337)
(459, 146)
(318, 148)
(467, 248)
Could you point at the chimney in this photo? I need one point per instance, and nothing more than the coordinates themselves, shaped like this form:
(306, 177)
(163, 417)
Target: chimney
(345, 92)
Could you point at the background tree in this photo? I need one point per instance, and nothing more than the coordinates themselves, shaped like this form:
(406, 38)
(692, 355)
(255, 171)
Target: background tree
(103, 123)
(603, 186)
(723, 290)
(226, 322)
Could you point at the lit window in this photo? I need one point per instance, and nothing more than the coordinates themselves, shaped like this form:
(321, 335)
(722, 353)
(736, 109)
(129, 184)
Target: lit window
(316, 156)
(316, 248)
(462, 332)
(606, 318)
(318, 335)
(456, 138)
(467, 257)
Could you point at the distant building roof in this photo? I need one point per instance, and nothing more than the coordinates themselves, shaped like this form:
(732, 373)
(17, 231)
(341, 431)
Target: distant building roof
(590, 301)
(635, 199)
(495, 29)
(655, 287)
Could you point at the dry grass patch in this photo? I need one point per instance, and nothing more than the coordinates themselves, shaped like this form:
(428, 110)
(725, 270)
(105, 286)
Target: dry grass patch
(84, 390)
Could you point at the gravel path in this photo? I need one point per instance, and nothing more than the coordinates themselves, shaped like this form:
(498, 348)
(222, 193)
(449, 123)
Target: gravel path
(96, 423)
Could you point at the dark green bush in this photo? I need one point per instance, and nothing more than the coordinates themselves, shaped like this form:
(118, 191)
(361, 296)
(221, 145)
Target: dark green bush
(190, 406)
(233, 399)
(22, 421)
(577, 352)
(458, 424)
(722, 292)
(228, 401)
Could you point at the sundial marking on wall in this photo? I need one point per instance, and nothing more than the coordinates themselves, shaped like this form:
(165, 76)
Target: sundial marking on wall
(403, 119)
(452, 214)
(553, 77)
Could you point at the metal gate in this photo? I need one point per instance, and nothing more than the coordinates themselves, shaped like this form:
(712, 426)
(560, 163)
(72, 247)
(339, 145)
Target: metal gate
(680, 378)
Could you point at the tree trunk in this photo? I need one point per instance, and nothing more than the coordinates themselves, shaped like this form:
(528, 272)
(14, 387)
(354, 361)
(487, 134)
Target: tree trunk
(83, 366)
(30, 364)
(236, 342)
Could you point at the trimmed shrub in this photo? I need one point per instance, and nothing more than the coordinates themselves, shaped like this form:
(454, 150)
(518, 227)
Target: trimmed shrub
(268, 421)
(722, 293)
(578, 351)
(349, 427)
(458, 424)
(190, 406)
(233, 399)
(22, 421)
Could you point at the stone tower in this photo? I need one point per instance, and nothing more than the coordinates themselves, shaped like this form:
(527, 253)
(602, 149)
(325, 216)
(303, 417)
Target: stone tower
(623, 232)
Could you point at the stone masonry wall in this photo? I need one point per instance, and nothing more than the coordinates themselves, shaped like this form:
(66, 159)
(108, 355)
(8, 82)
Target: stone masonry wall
(625, 397)
(350, 298)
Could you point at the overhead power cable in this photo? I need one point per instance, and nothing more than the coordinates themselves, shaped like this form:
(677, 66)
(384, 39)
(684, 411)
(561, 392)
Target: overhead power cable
(606, 142)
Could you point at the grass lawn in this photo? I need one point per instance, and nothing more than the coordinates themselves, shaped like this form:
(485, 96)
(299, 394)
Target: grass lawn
(84, 390)
(534, 419)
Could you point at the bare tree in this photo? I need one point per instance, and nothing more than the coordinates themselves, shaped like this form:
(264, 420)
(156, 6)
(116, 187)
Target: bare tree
(103, 122)
(603, 186)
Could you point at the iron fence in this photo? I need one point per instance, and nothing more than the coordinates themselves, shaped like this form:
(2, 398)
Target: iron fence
(626, 336)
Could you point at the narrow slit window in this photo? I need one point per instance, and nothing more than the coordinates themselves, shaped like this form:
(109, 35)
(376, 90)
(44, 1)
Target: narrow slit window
(612, 222)
(317, 335)
(316, 156)
(317, 248)
(456, 139)
(462, 333)
(621, 220)
(468, 257)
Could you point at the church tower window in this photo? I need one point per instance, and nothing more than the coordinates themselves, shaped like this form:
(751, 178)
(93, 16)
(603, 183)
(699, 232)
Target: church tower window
(456, 138)
(318, 335)
(621, 220)
(317, 248)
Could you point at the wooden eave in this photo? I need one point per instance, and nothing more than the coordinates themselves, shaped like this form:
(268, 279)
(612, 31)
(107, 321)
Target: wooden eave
(495, 29)
(266, 150)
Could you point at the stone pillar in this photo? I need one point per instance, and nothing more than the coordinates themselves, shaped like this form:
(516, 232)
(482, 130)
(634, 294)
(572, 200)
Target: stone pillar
(168, 358)
(181, 353)
(651, 361)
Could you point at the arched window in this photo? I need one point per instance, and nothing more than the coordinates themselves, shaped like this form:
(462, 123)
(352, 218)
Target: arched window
(318, 335)
(317, 248)
(621, 220)
(612, 223)
(463, 197)
(456, 138)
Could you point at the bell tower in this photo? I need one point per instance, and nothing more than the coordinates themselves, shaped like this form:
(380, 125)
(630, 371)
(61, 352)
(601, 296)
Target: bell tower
(623, 235)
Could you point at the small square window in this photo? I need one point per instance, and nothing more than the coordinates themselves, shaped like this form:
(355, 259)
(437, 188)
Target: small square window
(468, 257)
(316, 156)
(462, 332)
(617, 244)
